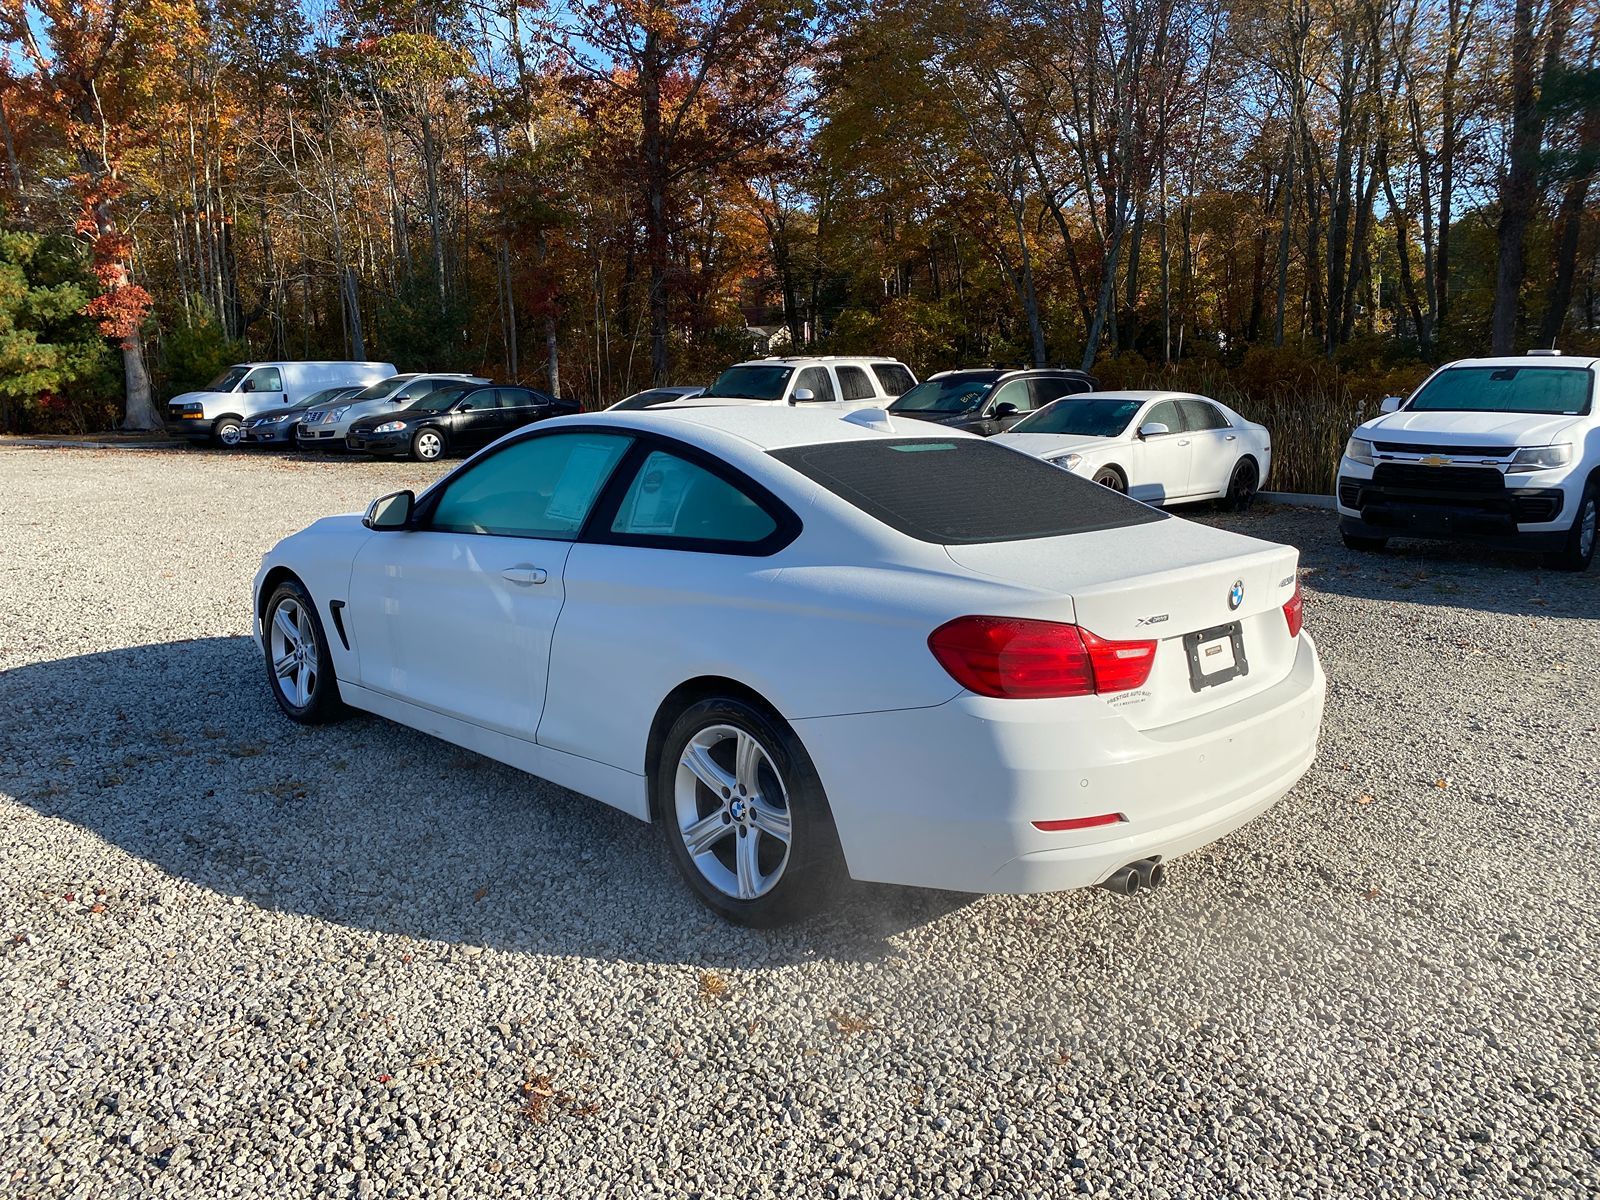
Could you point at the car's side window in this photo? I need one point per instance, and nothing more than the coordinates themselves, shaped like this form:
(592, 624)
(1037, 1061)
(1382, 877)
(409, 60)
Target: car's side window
(1013, 391)
(417, 389)
(1200, 415)
(513, 398)
(543, 487)
(854, 384)
(896, 380)
(1047, 389)
(267, 379)
(819, 381)
(477, 401)
(671, 497)
(1166, 413)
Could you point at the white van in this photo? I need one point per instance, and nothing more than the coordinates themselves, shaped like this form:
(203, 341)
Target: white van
(218, 413)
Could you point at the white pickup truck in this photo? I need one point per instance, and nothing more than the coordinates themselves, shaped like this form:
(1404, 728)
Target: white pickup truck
(1498, 450)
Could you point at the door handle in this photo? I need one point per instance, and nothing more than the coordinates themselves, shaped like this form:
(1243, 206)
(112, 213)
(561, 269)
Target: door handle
(524, 575)
(1232, 437)
(1183, 441)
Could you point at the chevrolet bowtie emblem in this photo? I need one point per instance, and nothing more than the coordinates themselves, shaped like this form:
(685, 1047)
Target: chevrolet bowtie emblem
(1435, 460)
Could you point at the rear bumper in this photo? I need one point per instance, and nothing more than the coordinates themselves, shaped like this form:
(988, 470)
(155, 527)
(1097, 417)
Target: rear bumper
(957, 809)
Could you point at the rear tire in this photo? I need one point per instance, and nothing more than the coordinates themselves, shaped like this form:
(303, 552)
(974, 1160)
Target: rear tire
(1369, 544)
(744, 814)
(1242, 486)
(299, 665)
(1578, 553)
(1112, 478)
(227, 431)
(427, 445)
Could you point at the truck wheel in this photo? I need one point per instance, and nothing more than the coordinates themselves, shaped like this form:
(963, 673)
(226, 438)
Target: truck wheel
(1578, 553)
(226, 431)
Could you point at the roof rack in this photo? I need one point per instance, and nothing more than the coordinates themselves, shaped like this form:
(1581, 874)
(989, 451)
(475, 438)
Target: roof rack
(1544, 352)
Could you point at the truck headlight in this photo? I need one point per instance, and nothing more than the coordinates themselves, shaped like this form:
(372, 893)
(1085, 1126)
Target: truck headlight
(1359, 450)
(1067, 462)
(390, 427)
(1540, 458)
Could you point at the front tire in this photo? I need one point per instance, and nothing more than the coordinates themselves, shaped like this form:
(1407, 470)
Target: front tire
(299, 666)
(427, 445)
(1112, 478)
(1578, 553)
(227, 431)
(745, 815)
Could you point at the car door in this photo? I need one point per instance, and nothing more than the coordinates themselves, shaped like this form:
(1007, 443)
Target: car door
(1216, 447)
(456, 613)
(476, 419)
(820, 382)
(262, 390)
(519, 407)
(658, 591)
(1012, 392)
(1161, 461)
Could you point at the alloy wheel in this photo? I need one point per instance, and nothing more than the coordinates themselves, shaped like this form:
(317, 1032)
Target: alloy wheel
(732, 811)
(294, 652)
(429, 444)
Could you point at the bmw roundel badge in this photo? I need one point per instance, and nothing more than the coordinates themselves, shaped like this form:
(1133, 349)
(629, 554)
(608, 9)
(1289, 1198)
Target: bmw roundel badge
(1236, 596)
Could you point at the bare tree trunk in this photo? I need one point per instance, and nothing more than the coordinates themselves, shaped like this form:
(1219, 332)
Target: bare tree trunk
(1518, 190)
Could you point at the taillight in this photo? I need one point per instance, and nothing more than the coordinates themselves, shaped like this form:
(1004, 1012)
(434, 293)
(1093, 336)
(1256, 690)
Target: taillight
(1294, 612)
(1018, 659)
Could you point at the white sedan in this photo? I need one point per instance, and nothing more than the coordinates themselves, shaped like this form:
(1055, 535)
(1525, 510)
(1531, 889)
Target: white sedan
(1159, 447)
(806, 643)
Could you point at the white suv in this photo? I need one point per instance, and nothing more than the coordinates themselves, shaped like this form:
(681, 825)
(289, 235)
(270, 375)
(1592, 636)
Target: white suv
(1498, 450)
(848, 383)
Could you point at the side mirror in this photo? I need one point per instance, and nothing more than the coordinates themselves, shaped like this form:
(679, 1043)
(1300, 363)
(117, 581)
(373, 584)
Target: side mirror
(1153, 429)
(249, 385)
(1005, 409)
(390, 512)
(802, 396)
(1391, 404)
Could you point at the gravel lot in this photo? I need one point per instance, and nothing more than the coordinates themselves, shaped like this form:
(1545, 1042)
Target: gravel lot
(240, 958)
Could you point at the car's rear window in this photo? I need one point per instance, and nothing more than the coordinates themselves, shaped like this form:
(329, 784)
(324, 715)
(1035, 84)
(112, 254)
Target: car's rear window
(963, 491)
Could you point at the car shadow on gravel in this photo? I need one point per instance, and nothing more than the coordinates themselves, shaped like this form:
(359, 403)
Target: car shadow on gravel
(176, 753)
(1445, 574)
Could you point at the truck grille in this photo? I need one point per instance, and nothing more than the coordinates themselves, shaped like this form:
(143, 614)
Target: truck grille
(1409, 477)
(1447, 451)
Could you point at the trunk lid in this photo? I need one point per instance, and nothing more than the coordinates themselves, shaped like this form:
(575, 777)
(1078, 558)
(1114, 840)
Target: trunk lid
(1160, 581)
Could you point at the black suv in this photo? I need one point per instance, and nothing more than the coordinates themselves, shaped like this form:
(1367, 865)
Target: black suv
(989, 400)
(455, 418)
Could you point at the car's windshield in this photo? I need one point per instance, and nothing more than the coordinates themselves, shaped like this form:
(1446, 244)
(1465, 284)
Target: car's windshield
(1085, 418)
(379, 390)
(956, 395)
(752, 382)
(440, 400)
(228, 380)
(1558, 391)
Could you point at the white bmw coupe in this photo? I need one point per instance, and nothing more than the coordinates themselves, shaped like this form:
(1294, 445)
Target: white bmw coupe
(806, 643)
(1159, 447)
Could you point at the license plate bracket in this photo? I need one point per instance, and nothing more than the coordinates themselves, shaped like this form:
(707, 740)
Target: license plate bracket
(1214, 643)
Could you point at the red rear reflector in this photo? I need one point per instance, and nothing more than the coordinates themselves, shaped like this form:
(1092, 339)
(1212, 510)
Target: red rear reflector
(1294, 612)
(1019, 659)
(1079, 822)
